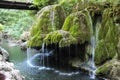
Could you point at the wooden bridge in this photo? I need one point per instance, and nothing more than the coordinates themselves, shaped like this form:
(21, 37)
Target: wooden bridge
(17, 5)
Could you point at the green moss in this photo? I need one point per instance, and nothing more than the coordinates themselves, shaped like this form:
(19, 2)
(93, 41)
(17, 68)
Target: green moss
(105, 69)
(79, 25)
(48, 19)
(110, 69)
(1, 27)
(61, 37)
(107, 39)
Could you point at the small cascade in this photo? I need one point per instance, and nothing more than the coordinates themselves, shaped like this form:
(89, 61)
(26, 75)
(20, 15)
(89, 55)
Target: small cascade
(43, 56)
(92, 65)
(52, 14)
(36, 59)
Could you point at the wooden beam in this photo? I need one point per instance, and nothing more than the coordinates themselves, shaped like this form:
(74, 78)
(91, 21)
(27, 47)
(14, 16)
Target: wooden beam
(17, 5)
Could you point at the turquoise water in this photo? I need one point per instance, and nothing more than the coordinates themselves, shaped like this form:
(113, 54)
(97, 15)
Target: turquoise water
(19, 58)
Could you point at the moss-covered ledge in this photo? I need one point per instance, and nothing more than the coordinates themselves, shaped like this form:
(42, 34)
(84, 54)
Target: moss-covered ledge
(62, 37)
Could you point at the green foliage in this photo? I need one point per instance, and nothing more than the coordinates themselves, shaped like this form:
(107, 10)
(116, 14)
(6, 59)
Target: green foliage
(107, 39)
(61, 37)
(1, 27)
(43, 3)
(15, 21)
(68, 5)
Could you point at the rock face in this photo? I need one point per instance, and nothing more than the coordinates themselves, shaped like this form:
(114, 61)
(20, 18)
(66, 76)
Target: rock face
(110, 69)
(7, 70)
(48, 19)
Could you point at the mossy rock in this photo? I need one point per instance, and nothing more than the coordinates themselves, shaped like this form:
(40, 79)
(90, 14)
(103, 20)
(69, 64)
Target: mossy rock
(48, 19)
(107, 39)
(110, 69)
(62, 37)
(79, 25)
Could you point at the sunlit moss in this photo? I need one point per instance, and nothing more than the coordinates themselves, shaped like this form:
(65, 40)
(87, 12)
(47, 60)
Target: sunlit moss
(107, 39)
(63, 38)
(79, 25)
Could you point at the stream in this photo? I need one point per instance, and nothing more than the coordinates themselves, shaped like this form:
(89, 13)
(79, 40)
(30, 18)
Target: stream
(19, 58)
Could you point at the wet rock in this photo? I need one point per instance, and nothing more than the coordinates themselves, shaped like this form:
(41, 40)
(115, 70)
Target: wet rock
(110, 69)
(10, 73)
(23, 45)
(4, 55)
(7, 70)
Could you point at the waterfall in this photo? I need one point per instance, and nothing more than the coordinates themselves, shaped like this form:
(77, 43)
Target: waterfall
(52, 19)
(92, 65)
(93, 45)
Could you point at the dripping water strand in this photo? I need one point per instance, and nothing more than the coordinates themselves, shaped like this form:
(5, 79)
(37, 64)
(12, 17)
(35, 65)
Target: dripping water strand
(92, 65)
(43, 57)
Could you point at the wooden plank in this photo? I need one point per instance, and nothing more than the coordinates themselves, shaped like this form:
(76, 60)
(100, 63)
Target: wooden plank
(17, 5)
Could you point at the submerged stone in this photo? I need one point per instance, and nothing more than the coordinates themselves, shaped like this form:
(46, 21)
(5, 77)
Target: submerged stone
(48, 19)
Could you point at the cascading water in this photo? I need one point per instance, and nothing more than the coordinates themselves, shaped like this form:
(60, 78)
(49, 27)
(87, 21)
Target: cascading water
(38, 57)
(92, 65)
(52, 19)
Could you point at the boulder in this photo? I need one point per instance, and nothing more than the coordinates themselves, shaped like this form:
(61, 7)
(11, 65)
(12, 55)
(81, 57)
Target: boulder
(47, 19)
(4, 55)
(110, 69)
(8, 72)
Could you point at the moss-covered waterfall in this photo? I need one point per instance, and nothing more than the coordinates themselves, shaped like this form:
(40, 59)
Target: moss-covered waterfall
(85, 21)
(68, 40)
